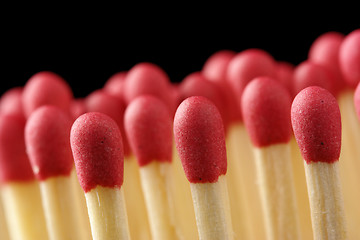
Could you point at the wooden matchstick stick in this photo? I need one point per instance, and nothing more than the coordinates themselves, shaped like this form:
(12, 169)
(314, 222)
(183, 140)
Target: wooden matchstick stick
(96, 144)
(316, 122)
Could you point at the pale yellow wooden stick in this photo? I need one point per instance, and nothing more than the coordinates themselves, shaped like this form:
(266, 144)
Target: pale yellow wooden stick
(4, 234)
(326, 203)
(155, 182)
(58, 196)
(350, 164)
(135, 202)
(302, 200)
(277, 190)
(23, 210)
(243, 193)
(107, 212)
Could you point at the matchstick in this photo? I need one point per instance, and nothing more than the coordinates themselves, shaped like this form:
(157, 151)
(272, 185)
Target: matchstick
(114, 106)
(4, 234)
(47, 139)
(148, 127)
(316, 122)
(20, 191)
(266, 113)
(200, 141)
(96, 143)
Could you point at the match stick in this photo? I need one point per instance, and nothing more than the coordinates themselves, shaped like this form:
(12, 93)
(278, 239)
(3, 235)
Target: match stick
(200, 141)
(243, 68)
(47, 138)
(114, 107)
(20, 191)
(196, 84)
(46, 88)
(266, 113)
(316, 122)
(96, 143)
(4, 234)
(148, 127)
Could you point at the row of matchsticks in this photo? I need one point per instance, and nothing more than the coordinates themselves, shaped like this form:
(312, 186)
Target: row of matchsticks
(246, 148)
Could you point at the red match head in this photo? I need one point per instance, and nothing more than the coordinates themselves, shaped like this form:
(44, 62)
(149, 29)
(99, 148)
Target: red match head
(148, 127)
(14, 162)
(357, 100)
(196, 84)
(115, 85)
(285, 75)
(349, 58)
(96, 144)
(266, 107)
(46, 88)
(310, 73)
(114, 107)
(47, 138)
(148, 79)
(200, 140)
(246, 66)
(77, 107)
(316, 122)
(216, 65)
(325, 51)
(11, 102)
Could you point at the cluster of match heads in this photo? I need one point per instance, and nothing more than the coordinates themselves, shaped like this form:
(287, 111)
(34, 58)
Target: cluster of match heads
(46, 133)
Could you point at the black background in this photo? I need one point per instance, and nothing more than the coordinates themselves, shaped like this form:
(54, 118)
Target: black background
(86, 55)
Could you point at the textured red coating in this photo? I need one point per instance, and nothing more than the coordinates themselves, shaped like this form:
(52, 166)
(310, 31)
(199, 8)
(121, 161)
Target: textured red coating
(316, 122)
(266, 105)
(284, 74)
(216, 65)
(11, 101)
(196, 84)
(148, 79)
(47, 139)
(115, 85)
(96, 144)
(148, 126)
(357, 100)
(14, 162)
(200, 140)
(46, 88)
(101, 101)
(246, 66)
(308, 74)
(77, 107)
(215, 70)
(325, 51)
(349, 58)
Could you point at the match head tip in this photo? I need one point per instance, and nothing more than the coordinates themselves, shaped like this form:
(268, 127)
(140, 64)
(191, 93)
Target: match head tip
(148, 126)
(47, 133)
(46, 88)
(349, 58)
(200, 140)
(316, 122)
(266, 105)
(357, 99)
(216, 65)
(97, 148)
(14, 162)
(11, 102)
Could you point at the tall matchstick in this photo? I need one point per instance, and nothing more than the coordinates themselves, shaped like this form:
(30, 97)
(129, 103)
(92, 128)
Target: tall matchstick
(96, 144)
(266, 113)
(114, 106)
(19, 189)
(47, 138)
(148, 127)
(316, 122)
(200, 141)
